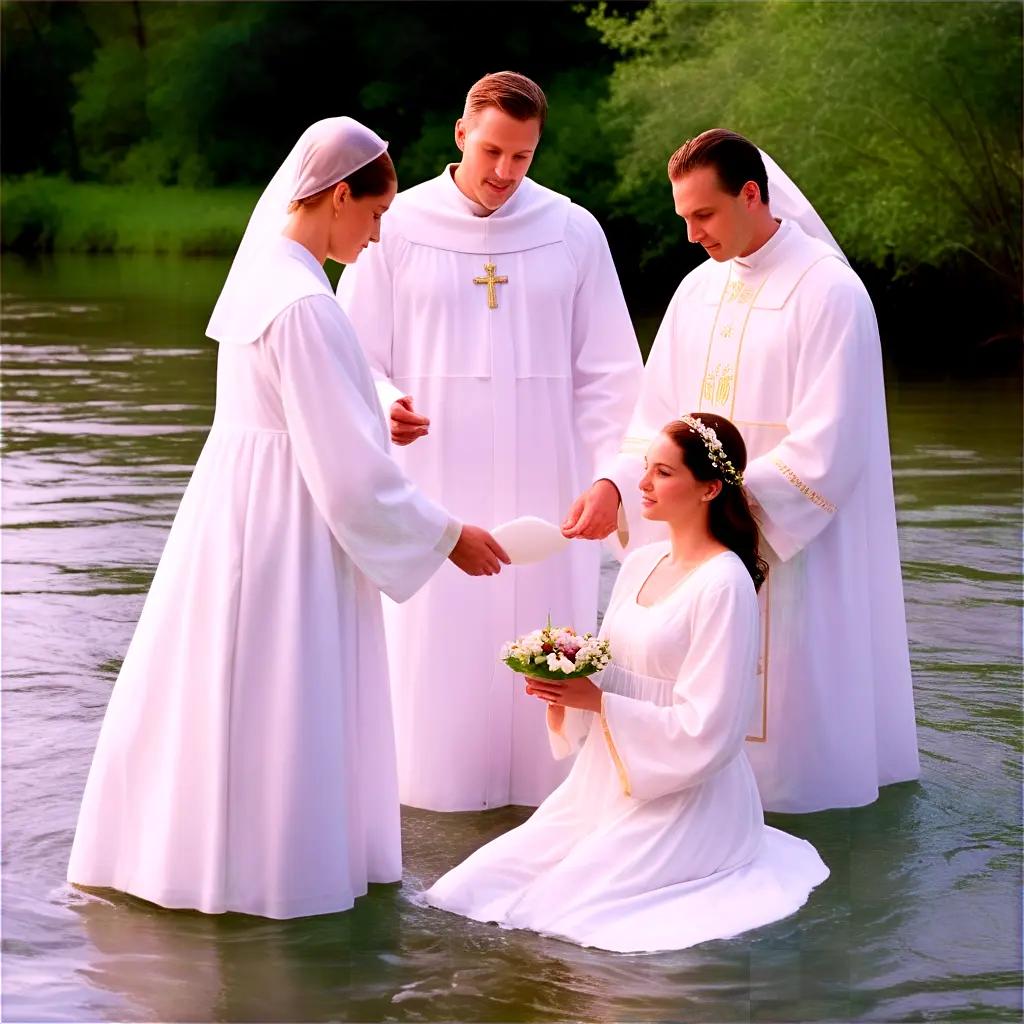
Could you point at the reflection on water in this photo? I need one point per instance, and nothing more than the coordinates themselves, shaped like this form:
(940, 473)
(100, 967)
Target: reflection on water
(108, 391)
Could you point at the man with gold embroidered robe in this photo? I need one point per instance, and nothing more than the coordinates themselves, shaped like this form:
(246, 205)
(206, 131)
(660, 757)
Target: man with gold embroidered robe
(777, 333)
(491, 308)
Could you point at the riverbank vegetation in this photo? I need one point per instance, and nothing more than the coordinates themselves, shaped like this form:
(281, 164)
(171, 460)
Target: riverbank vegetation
(54, 214)
(136, 126)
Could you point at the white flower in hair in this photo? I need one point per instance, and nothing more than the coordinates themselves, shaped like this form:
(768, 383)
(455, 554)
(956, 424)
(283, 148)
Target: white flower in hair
(715, 450)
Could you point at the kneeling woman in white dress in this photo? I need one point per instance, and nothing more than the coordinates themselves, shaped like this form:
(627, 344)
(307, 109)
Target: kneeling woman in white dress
(657, 840)
(246, 761)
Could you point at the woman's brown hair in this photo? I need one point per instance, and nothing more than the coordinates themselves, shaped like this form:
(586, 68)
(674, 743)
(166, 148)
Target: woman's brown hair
(372, 179)
(729, 517)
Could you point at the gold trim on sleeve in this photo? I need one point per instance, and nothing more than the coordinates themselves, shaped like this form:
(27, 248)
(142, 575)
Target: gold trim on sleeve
(811, 495)
(619, 766)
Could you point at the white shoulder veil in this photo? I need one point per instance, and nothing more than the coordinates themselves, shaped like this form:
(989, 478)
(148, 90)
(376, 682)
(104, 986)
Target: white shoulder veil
(259, 284)
(787, 202)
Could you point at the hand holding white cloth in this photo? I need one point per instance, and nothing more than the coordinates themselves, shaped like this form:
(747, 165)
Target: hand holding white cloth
(529, 539)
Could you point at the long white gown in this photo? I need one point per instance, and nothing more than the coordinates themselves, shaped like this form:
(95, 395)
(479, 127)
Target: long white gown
(656, 840)
(525, 398)
(246, 761)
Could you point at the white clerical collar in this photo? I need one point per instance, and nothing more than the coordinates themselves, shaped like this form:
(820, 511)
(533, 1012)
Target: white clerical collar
(435, 213)
(509, 208)
(473, 207)
(759, 259)
(773, 271)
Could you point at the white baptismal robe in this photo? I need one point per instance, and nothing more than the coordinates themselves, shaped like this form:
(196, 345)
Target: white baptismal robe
(524, 400)
(656, 840)
(246, 761)
(785, 344)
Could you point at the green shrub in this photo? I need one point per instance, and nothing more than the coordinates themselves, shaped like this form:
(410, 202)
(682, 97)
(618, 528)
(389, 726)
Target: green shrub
(40, 214)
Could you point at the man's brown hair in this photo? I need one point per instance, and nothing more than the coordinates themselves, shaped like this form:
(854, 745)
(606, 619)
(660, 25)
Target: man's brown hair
(736, 160)
(514, 94)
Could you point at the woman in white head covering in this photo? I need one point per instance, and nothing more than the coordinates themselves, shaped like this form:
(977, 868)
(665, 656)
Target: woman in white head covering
(246, 760)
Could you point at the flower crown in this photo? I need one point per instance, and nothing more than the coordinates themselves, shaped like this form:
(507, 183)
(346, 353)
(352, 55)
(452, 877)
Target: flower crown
(716, 453)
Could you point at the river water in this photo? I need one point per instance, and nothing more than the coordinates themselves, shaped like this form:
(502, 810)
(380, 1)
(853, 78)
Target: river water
(108, 392)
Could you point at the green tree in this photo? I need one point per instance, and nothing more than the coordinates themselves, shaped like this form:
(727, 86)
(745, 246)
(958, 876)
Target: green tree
(901, 121)
(215, 93)
(110, 112)
(42, 46)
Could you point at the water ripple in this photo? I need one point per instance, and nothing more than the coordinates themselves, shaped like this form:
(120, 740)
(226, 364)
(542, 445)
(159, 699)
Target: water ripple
(108, 397)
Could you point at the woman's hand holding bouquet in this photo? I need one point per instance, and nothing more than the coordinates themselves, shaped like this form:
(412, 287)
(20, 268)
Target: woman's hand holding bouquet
(556, 662)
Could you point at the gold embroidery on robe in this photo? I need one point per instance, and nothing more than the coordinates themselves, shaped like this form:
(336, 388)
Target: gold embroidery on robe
(738, 291)
(707, 391)
(809, 493)
(717, 385)
(724, 386)
(743, 334)
(711, 345)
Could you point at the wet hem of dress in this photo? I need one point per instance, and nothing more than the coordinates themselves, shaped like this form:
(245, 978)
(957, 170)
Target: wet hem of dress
(170, 899)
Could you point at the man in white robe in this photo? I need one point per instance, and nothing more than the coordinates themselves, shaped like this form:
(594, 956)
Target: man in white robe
(495, 325)
(777, 333)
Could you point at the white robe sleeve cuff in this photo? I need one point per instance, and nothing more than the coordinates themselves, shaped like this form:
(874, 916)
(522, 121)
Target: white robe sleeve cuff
(388, 394)
(450, 537)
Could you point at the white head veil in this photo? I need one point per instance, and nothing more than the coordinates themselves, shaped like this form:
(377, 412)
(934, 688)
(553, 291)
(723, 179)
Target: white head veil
(260, 282)
(787, 202)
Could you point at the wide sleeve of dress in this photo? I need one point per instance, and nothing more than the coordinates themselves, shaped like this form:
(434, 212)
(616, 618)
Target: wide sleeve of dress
(803, 481)
(366, 296)
(607, 367)
(570, 734)
(664, 749)
(383, 522)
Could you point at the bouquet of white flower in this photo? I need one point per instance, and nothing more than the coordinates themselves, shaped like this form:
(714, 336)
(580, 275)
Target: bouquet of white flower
(556, 652)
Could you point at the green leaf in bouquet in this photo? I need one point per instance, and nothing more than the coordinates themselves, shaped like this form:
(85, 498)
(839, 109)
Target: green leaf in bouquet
(526, 668)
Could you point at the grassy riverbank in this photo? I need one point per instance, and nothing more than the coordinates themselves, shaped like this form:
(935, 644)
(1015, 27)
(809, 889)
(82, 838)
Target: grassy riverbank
(929, 318)
(46, 214)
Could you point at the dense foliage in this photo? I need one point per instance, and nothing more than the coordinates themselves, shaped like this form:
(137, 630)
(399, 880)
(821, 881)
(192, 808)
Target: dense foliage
(203, 94)
(901, 120)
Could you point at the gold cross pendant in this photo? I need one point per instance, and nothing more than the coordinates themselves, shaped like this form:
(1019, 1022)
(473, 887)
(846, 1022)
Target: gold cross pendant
(490, 280)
